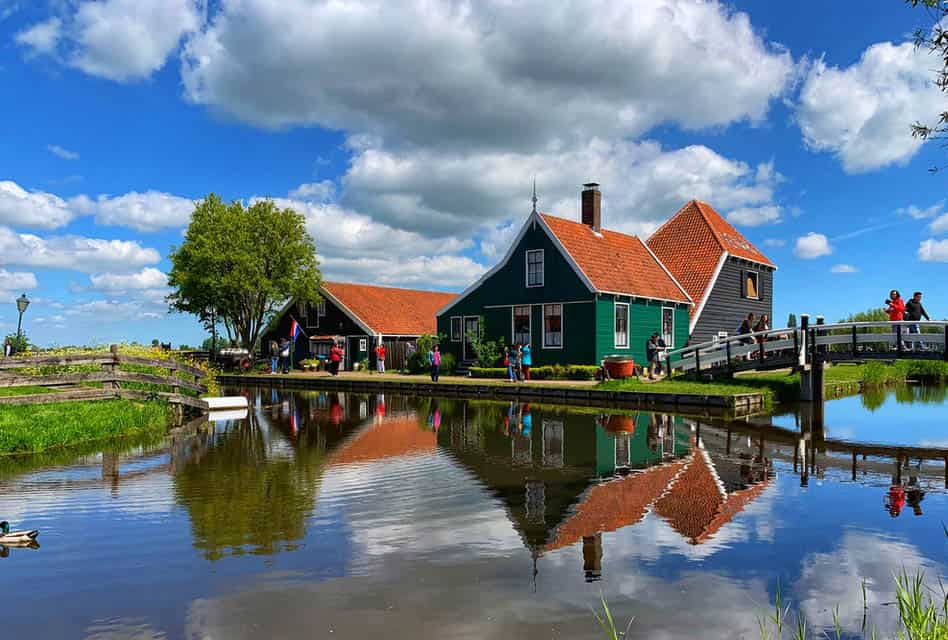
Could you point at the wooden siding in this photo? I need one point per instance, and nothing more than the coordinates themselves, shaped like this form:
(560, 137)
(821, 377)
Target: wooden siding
(645, 317)
(726, 307)
(495, 297)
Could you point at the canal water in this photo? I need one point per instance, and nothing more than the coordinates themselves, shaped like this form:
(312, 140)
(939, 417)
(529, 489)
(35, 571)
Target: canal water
(327, 515)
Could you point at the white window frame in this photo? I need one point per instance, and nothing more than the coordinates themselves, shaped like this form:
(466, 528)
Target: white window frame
(513, 325)
(615, 317)
(460, 334)
(746, 273)
(363, 345)
(321, 309)
(526, 266)
(562, 326)
(670, 338)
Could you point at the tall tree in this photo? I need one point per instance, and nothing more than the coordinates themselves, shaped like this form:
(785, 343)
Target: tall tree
(238, 264)
(935, 39)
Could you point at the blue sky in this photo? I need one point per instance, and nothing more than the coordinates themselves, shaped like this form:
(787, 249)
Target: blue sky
(409, 137)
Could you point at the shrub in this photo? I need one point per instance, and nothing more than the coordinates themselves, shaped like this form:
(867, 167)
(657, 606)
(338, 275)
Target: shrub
(417, 362)
(448, 363)
(554, 372)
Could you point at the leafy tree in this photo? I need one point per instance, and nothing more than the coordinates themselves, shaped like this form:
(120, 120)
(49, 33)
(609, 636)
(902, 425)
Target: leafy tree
(155, 342)
(20, 343)
(239, 264)
(792, 320)
(209, 345)
(486, 352)
(935, 40)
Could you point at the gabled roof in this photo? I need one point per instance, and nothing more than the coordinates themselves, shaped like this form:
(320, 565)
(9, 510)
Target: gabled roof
(615, 262)
(693, 243)
(388, 310)
(615, 504)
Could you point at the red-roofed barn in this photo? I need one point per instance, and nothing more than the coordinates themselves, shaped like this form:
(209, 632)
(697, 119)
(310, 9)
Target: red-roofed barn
(725, 275)
(574, 291)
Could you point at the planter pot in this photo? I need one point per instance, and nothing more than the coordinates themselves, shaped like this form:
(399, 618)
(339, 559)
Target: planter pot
(621, 424)
(620, 367)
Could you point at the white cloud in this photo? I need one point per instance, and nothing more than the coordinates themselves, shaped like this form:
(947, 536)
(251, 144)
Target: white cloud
(148, 211)
(939, 225)
(917, 213)
(932, 250)
(147, 278)
(323, 191)
(88, 255)
(774, 242)
(844, 268)
(424, 272)
(42, 38)
(452, 193)
(121, 40)
(62, 152)
(496, 73)
(16, 280)
(31, 208)
(110, 311)
(863, 113)
(754, 216)
(812, 245)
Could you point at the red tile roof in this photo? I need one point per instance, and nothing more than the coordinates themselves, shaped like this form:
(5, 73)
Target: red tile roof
(697, 507)
(389, 310)
(615, 262)
(615, 504)
(402, 436)
(692, 242)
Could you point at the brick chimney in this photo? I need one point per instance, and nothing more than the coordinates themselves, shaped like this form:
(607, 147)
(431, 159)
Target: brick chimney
(592, 206)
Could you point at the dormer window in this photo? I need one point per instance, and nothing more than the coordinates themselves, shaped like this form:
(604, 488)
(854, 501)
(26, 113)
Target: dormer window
(535, 268)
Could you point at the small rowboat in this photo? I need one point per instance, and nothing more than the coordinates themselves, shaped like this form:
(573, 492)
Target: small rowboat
(8, 537)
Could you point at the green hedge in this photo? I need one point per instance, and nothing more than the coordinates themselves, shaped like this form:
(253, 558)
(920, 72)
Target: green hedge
(555, 372)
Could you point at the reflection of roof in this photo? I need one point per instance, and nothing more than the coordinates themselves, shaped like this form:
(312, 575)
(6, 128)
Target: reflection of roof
(615, 504)
(615, 262)
(697, 506)
(692, 242)
(388, 310)
(390, 438)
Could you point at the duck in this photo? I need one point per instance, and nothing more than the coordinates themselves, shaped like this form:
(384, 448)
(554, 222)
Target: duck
(8, 537)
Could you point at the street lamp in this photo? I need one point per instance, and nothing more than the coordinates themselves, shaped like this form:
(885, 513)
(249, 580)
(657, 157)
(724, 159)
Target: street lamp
(21, 304)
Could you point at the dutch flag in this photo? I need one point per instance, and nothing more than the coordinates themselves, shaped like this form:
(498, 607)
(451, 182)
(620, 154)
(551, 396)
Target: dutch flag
(294, 329)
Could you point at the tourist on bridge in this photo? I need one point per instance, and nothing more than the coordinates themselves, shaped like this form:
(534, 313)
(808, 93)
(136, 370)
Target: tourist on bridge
(747, 327)
(895, 307)
(915, 311)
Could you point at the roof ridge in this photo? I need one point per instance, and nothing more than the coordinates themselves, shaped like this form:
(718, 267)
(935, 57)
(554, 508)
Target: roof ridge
(388, 288)
(581, 224)
(699, 205)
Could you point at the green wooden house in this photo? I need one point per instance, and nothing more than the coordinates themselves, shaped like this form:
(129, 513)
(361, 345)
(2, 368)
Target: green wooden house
(574, 291)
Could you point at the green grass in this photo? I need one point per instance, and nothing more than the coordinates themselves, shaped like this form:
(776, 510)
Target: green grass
(23, 391)
(32, 428)
(687, 387)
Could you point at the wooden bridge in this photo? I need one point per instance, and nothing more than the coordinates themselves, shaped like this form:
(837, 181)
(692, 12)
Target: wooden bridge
(104, 383)
(808, 347)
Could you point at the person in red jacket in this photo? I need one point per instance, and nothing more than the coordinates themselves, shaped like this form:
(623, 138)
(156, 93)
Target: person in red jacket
(895, 307)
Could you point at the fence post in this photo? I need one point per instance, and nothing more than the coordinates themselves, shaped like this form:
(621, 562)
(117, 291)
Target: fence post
(898, 339)
(946, 343)
(697, 361)
(112, 367)
(804, 332)
(173, 372)
(854, 342)
(761, 340)
(820, 348)
(727, 346)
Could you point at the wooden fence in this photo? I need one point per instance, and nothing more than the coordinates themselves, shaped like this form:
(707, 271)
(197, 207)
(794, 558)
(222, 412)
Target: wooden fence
(65, 387)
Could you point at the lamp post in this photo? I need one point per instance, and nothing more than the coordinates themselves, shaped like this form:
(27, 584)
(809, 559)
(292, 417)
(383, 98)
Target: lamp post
(21, 304)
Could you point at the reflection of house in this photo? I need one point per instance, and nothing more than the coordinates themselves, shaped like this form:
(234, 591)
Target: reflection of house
(360, 315)
(574, 290)
(386, 438)
(725, 275)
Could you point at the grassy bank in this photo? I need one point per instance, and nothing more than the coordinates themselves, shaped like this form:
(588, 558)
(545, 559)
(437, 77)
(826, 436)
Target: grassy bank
(785, 386)
(33, 428)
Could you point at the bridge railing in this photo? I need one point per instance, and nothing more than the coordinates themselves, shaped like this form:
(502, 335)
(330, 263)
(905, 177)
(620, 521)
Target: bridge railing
(742, 351)
(840, 341)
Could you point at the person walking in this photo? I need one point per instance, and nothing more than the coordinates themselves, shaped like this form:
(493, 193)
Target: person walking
(434, 361)
(510, 376)
(895, 307)
(515, 363)
(651, 354)
(380, 357)
(914, 311)
(274, 357)
(285, 354)
(526, 361)
(7, 347)
(335, 356)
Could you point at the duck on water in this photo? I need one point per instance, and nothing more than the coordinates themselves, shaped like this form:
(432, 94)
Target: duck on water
(13, 538)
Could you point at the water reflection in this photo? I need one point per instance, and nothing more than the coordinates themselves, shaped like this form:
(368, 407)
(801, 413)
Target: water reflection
(326, 512)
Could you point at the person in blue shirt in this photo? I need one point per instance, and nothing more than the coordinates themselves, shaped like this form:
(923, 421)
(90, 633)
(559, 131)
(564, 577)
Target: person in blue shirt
(526, 361)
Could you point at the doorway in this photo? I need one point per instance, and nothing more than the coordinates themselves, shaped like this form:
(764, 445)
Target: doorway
(471, 326)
